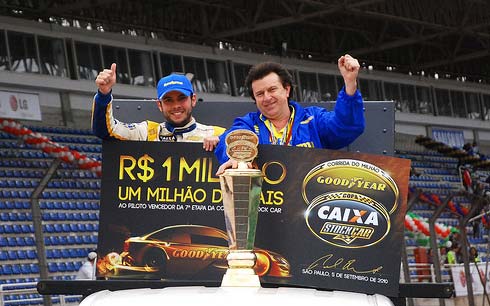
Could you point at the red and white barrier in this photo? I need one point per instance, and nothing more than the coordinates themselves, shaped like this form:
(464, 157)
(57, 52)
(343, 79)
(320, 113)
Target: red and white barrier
(54, 149)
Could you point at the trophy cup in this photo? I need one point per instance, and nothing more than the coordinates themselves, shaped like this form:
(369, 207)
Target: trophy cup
(241, 190)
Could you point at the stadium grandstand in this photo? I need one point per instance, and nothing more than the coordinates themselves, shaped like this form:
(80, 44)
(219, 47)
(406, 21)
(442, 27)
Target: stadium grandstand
(431, 58)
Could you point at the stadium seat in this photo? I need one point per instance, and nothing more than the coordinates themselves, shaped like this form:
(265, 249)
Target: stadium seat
(34, 268)
(7, 269)
(55, 240)
(72, 205)
(20, 241)
(13, 216)
(71, 240)
(29, 241)
(8, 228)
(54, 184)
(31, 254)
(65, 205)
(16, 269)
(11, 241)
(12, 254)
(52, 267)
(58, 228)
(57, 253)
(73, 227)
(66, 227)
(82, 227)
(65, 253)
(21, 254)
(73, 299)
(17, 183)
(4, 255)
(22, 216)
(50, 204)
(97, 195)
(10, 183)
(63, 240)
(79, 205)
(82, 253)
(16, 228)
(60, 195)
(10, 204)
(61, 267)
(25, 268)
(73, 253)
(48, 228)
(4, 216)
(71, 195)
(70, 267)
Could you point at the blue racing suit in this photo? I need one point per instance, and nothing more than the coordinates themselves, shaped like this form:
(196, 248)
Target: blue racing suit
(312, 126)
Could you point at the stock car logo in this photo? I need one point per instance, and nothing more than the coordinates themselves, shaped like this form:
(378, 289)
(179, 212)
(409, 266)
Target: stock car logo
(349, 203)
(347, 219)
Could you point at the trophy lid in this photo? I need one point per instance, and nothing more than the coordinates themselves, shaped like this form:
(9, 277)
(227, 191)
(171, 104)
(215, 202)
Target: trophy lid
(241, 145)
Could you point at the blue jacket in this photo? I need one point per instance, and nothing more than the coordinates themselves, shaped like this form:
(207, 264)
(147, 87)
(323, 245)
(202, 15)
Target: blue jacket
(313, 126)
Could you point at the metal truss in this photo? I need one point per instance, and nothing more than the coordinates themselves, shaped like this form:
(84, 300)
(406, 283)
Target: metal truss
(448, 37)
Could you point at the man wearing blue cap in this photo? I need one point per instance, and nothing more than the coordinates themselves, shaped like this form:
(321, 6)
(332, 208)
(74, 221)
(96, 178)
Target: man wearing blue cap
(176, 100)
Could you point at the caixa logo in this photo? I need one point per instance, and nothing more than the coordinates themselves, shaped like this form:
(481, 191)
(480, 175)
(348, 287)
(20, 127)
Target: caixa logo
(349, 202)
(347, 219)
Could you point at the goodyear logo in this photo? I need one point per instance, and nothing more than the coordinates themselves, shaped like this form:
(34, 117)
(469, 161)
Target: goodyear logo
(349, 203)
(172, 83)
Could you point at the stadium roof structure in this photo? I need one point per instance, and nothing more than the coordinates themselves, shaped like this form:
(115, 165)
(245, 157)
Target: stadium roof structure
(447, 37)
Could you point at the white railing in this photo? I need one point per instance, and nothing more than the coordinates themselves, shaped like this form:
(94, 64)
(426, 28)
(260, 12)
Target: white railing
(22, 294)
(425, 272)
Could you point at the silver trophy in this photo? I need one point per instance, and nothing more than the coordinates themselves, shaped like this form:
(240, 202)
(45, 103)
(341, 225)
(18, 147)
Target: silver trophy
(241, 190)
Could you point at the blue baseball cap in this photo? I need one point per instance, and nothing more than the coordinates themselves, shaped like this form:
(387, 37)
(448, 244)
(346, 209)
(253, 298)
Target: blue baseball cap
(174, 82)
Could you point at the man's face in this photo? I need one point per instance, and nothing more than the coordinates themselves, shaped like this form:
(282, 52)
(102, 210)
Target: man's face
(177, 108)
(271, 96)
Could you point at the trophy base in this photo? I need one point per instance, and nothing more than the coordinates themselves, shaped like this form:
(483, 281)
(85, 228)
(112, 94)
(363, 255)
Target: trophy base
(241, 277)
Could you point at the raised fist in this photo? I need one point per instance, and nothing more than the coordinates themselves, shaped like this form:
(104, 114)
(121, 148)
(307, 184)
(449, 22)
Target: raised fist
(349, 68)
